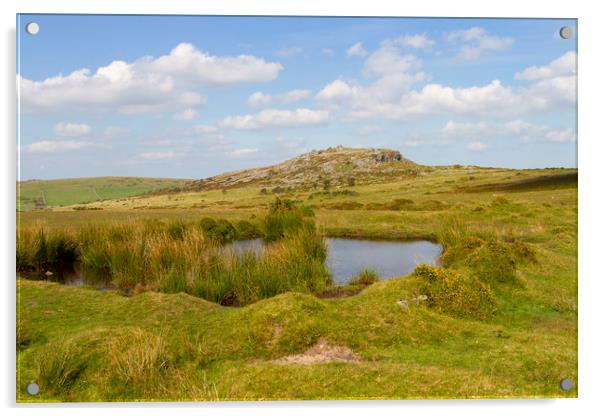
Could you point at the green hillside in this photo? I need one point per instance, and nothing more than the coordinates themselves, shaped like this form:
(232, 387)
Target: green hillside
(39, 194)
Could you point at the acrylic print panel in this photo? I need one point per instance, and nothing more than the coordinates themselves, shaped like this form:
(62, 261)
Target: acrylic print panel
(283, 208)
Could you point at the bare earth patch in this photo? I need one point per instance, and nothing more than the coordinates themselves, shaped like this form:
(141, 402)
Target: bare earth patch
(322, 352)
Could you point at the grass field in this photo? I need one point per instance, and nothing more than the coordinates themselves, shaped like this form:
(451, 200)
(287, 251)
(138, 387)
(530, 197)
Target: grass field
(500, 319)
(39, 194)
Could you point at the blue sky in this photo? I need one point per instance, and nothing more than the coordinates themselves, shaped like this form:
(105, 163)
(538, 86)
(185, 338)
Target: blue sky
(193, 96)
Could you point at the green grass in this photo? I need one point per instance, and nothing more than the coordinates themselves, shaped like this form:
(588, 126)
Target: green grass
(40, 194)
(504, 324)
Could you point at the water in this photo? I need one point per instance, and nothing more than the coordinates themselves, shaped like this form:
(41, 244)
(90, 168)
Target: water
(346, 258)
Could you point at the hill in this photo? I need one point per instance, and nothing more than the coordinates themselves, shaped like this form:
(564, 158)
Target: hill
(318, 168)
(40, 194)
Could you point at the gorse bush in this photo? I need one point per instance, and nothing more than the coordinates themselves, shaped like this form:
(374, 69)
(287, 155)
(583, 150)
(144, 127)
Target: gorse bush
(450, 292)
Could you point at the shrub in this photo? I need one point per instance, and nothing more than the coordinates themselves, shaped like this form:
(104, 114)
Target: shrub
(221, 231)
(449, 292)
(499, 201)
(247, 230)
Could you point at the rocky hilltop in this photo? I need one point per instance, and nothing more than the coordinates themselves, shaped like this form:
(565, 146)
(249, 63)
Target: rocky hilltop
(332, 167)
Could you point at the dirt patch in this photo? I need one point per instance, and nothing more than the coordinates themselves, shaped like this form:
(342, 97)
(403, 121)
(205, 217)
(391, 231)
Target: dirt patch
(322, 352)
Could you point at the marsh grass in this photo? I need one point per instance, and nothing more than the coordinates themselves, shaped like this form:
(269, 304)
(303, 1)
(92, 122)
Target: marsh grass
(38, 248)
(364, 278)
(180, 256)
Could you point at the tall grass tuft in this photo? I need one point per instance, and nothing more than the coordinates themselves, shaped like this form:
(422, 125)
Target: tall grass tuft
(364, 278)
(190, 257)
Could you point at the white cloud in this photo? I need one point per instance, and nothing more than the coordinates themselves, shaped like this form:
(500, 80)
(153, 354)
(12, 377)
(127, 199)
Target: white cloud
(369, 130)
(238, 153)
(477, 146)
(204, 129)
(564, 66)
(566, 135)
(276, 118)
(259, 99)
(53, 146)
(388, 59)
(510, 129)
(290, 142)
(158, 142)
(327, 51)
(391, 96)
(186, 115)
(294, 95)
(71, 129)
(144, 85)
(476, 40)
(453, 128)
(415, 41)
(160, 155)
(290, 51)
(188, 62)
(357, 50)
(113, 132)
(336, 91)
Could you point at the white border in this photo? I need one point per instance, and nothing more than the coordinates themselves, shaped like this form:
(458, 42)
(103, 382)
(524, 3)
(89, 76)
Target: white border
(590, 203)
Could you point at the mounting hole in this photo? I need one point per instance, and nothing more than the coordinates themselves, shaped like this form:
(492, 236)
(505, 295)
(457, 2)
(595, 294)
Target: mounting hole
(566, 384)
(33, 389)
(565, 32)
(32, 28)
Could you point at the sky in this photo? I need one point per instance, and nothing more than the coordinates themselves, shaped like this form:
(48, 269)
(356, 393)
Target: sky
(194, 96)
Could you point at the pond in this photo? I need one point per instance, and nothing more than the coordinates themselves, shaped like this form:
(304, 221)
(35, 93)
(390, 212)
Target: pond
(346, 258)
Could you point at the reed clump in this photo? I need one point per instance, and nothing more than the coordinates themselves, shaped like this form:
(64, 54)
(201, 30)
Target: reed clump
(191, 256)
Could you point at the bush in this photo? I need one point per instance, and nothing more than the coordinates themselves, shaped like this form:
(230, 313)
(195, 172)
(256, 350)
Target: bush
(221, 231)
(499, 201)
(247, 230)
(449, 292)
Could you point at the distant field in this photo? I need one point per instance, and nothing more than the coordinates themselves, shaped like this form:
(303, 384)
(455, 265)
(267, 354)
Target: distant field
(38, 194)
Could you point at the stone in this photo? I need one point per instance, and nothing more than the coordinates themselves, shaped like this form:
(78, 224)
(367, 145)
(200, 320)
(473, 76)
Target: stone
(403, 304)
